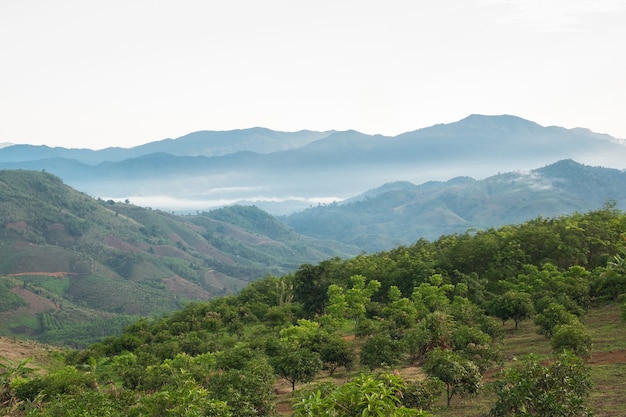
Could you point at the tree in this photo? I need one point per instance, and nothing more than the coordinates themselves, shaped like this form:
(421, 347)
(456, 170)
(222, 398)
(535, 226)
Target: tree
(559, 389)
(381, 350)
(336, 352)
(435, 330)
(367, 395)
(512, 305)
(573, 337)
(459, 374)
(554, 315)
(357, 296)
(188, 400)
(297, 365)
(401, 312)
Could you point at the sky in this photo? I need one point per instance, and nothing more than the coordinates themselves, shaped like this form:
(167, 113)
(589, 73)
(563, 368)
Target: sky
(100, 73)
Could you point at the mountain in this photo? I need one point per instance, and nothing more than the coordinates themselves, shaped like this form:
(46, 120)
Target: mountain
(205, 143)
(286, 172)
(72, 266)
(401, 213)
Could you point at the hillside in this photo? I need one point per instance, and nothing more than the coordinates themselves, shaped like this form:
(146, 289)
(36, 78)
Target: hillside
(443, 328)
(75, 268)
(400, 213)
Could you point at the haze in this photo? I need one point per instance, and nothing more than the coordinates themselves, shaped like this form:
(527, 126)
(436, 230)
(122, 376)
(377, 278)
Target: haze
(119, 73)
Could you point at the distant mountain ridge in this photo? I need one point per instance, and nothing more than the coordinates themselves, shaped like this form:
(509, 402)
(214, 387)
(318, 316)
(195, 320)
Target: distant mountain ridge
(201, 143)
(400, 213)
(286, 172)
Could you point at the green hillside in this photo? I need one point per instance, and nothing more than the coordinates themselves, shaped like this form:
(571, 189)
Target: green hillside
(519, 320)
(74, 269)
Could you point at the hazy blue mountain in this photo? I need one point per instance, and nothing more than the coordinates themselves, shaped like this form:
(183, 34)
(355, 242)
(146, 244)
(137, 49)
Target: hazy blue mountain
(401, 213)
(202, 143)
(285, 172)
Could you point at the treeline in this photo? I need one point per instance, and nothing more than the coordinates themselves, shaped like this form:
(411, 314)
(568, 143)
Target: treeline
(438, 305)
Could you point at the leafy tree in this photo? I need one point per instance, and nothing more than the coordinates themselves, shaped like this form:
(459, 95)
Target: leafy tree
(435, 330)
(311, 284)
(187, 400)
(459, 374)
(302, 334)
(367, 395)
(297, 365)
(400, 313)
(248, 389)
(357, 296)
(573, 337)
(381, 350)
(89, 403)
(432, 296)
(553, 316)
(475, 345)
(336, 352)
(422, 394)
(512, 305)
(558, 389)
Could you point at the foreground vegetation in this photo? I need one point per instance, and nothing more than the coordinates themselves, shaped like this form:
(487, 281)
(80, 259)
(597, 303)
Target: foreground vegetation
(443, 328)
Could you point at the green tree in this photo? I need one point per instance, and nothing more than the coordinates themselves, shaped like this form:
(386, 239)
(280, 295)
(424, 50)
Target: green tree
(336, 352)
(434, 330)
(558, 389)
(297, 365)
(187, 400)
(573, 337)
(368, 395)
(382, 350)
(400, 313)
(357, 296)
(459, 374)
(512, 305)
(554, 315)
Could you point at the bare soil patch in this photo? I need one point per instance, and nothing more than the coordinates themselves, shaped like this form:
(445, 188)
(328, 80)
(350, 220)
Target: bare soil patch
(187, 289)
(36, 303)
(607, 358)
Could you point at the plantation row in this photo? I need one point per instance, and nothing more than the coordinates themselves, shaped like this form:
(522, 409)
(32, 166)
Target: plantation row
(349, 324)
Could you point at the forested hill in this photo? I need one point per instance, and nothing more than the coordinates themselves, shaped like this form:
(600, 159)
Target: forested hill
(77, 267)
(436, 313)
(399, 213)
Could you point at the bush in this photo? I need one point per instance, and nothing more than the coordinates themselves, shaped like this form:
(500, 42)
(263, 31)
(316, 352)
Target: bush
(572, 337)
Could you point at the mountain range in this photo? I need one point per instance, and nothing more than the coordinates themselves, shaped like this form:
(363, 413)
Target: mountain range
(71, 241)
(284, 172)
(400, 213)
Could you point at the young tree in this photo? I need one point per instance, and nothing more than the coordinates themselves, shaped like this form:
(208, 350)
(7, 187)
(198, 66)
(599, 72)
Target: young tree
(357, 296)
(459, 374)
(336, 352)
(512, 305)
(381, 350)
(554, 315)
(297, 365)
(573, 337)
(558, 389)
(366, 395)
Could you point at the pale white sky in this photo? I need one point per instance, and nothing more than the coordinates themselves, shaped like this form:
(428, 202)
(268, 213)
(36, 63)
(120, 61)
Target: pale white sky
(93, 74)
